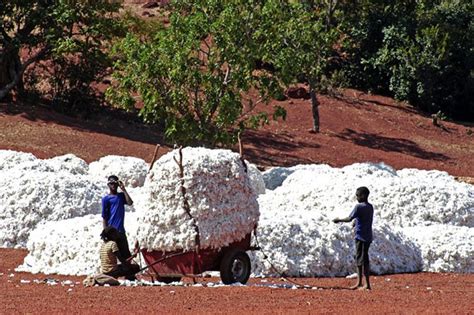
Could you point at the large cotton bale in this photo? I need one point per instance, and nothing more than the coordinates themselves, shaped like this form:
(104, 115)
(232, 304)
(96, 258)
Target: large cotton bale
(296, 229)
(222, 203)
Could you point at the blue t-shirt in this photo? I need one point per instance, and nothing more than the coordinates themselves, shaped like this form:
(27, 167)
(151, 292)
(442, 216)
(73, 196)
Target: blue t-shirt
(113, 210)
(363, 213)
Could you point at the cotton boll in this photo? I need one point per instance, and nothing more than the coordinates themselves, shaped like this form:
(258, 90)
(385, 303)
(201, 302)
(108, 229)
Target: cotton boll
(131, 170)
(221, 199)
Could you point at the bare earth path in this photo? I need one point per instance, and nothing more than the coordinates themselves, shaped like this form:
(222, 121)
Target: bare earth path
(423, 293)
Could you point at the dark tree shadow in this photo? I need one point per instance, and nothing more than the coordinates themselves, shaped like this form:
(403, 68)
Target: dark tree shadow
(387, 144)
(265, 145)
(112, 122)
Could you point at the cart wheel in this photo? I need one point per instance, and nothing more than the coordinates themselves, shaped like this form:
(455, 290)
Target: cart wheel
(168, 280)
(235, 267)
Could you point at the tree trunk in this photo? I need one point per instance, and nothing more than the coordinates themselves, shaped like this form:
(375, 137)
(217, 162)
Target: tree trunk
(11, 73)
(314, 107)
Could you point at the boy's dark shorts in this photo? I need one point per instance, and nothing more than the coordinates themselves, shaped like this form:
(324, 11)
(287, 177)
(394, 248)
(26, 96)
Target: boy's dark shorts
(122, 244)
(362, 252)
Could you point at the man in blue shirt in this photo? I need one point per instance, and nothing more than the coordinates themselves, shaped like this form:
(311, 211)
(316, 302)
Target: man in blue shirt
(113, 212)
(363, 214)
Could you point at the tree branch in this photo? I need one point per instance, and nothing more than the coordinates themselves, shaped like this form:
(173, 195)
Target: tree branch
(19, 74)
(225, 82)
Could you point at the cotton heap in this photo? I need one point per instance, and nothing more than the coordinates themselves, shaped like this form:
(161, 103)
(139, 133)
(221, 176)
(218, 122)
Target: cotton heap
(222, 203)
(69, 247)
(130, 170)
(33, 191)
(297, 232)
(444, 248)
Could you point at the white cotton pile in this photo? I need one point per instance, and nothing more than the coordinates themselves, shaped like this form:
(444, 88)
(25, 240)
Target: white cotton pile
(405, 198)
(36, 191)
(306, 243)
(221, 199)
(296, 216)
(444, 248)
(256, 178)
(10, 159)
(131, 170)
(69, 247)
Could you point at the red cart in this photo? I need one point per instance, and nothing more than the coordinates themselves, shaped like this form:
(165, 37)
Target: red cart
(232, 261)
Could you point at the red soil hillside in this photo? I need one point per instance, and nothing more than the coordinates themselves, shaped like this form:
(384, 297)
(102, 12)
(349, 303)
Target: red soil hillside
(355, 127)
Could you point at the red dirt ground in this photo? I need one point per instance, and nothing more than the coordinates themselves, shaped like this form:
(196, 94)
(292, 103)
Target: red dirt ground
(422, 293)
(354, 128)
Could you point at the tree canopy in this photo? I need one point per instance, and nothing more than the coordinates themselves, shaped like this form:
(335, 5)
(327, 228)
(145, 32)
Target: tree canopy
(193, 75)
(71, 35)
(197, 77)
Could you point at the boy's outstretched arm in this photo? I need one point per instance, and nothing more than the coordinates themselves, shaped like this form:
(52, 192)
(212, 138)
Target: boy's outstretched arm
(339, 220)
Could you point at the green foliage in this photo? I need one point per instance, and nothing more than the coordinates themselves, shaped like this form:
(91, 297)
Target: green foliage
(192, 75)
(69, 37)
(418, 51)
(299, 41)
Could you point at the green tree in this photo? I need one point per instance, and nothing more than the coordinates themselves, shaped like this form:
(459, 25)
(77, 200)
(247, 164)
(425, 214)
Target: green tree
(71, 35)
(193, 76)
(300, 41)
(417, 51)
(431, 65)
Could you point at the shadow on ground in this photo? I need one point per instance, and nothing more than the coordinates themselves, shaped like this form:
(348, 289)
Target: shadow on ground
(111, 122)
(276, 149)
(378, 142)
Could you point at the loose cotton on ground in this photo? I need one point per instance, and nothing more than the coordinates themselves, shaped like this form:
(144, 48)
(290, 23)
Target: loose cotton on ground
(221, 200)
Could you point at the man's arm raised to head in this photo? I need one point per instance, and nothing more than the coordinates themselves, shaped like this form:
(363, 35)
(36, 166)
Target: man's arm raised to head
(128, 200)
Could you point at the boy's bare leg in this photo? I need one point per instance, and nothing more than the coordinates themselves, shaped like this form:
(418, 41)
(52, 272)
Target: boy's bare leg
(359, 279)
(367, 275)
